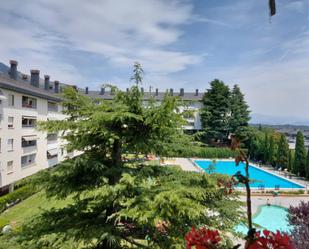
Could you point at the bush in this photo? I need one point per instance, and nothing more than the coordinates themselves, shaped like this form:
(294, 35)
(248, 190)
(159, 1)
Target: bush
(21, 193)
(202, 152)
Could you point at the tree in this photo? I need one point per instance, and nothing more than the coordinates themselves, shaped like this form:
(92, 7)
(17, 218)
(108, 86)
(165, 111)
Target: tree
(239, 110)
(299, 221)
(307, 165)
(300, 155)
(266, 155)
(283, 152)
(215, 111)
(272, 151)
(290, 164)
(118, 202)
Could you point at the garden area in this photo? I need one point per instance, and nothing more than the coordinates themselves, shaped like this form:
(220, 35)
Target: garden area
(110, 197)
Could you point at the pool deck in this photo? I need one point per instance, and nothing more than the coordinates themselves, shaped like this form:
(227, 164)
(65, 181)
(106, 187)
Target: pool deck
(283, 201)
(188, 164)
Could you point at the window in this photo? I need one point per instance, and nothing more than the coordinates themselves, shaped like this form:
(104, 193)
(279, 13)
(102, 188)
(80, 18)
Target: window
(28, 102)
(52, 153)
(28, 160)
(9, 166)
(10, 122)
(52, 107)
(28, 141)
(11, 100)
(52, 137)
(10, 144)
(28, 121)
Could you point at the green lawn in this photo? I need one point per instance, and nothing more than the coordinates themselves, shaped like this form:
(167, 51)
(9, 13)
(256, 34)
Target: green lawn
(28, 208)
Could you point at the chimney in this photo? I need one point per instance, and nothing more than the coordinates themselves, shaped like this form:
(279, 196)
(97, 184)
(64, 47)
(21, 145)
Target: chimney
(196, 92)
(157, 91)
(102, 91)
(56, 86)
(24, 76)
(171, 92)
(182, 92)
(142, 90)
(35, 78)
(86, 90)
(127, 90)
(46, 82)
(13, 70)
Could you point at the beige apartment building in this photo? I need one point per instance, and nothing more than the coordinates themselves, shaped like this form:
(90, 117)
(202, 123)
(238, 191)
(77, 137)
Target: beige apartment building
(27, 99)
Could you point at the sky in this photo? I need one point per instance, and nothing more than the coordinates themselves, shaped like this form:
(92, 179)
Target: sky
(180, 44)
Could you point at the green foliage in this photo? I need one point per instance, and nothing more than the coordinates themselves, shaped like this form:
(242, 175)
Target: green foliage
(283, 152)
(216, 106)
(307, 165)
(300, 156)
(21, 193)
(239, 110)
(201, 152)
(272, 151)
(119, 203)
(291, 161)
(223, 112)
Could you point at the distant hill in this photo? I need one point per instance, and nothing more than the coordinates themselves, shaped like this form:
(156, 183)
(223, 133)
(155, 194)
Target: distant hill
(278, 120)
(4, 68)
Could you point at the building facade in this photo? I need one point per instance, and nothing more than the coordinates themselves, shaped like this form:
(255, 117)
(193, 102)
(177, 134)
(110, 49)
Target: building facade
(27, 99)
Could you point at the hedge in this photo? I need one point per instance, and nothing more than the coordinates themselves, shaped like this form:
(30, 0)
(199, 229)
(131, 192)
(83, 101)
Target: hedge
(202, 152)
(21, 193)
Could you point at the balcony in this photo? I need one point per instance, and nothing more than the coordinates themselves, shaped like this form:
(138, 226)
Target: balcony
(28, 102)
(28, 121)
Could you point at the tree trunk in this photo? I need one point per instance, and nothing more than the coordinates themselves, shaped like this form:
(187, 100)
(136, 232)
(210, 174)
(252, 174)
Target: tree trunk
(116, 153)
(249, 211)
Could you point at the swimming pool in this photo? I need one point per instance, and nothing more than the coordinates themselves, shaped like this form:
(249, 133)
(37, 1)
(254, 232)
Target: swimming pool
(260, 177)
(272, 218)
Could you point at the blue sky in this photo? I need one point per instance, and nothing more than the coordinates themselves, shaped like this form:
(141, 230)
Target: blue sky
(180, 43)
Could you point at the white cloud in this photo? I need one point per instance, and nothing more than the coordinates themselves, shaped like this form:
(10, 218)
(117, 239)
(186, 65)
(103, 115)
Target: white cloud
(120, 32)
(298, 6)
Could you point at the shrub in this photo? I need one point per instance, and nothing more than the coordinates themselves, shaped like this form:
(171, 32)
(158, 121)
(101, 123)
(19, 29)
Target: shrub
(21, 193)
(203, 152)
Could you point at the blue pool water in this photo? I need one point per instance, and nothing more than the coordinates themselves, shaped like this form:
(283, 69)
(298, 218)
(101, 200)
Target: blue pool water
(272, 218)
(258, 176)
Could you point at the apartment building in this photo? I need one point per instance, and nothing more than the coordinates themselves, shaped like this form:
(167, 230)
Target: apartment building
(27, 99)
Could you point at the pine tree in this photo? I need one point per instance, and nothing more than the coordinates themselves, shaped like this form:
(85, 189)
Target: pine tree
(239, 110)
(215, 112)
(116, 201)
(283, 152)
(272, 151)
(299, 167)
(307, 165)
(290, 164)
(266, 157)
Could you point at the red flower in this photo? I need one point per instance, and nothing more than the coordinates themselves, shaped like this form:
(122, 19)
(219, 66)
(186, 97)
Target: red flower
(271, 240)
(202, 238)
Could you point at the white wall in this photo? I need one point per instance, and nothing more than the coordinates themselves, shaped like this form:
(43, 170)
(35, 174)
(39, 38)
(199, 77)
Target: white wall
(17, 132)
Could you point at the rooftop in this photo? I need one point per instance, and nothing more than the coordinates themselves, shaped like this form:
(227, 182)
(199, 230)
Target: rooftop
(12, 79)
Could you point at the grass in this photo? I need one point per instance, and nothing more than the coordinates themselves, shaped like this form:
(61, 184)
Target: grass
(28, 208)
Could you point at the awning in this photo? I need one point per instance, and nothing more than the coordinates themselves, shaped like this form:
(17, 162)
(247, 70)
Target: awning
(30, 138)
(29, 117)
(53, 152)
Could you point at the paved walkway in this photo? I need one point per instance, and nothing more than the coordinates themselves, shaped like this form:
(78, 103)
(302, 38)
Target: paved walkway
(284, 201)
(187, 164)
